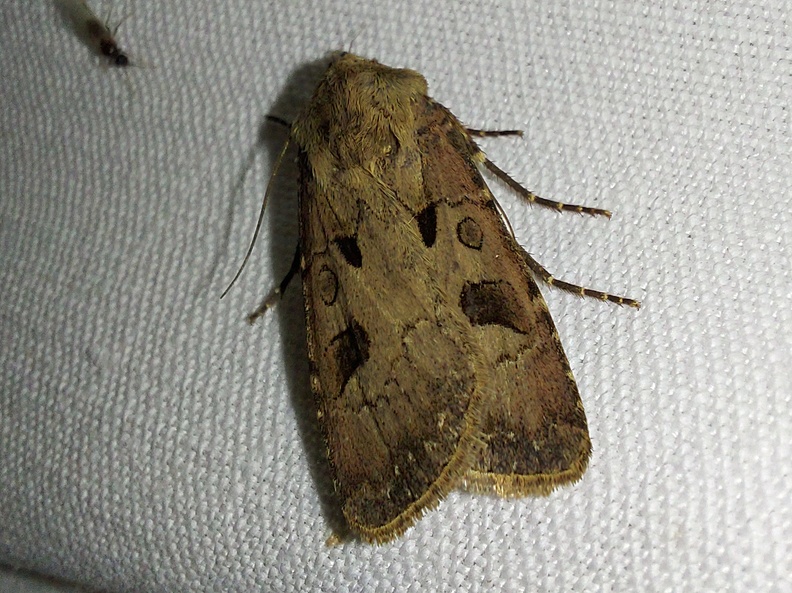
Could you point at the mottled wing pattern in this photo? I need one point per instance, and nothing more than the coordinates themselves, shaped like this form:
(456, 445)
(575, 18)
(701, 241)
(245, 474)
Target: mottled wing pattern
(395, 366)
(535, 427)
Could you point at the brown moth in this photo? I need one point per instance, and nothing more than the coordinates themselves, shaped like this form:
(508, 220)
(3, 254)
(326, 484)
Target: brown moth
(434, 361)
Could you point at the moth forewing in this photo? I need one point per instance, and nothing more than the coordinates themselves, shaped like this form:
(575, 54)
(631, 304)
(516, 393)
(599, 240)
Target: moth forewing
(396, 370)
(535, 428)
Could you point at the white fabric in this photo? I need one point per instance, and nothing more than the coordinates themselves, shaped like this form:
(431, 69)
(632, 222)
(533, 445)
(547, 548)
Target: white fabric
(151, 440)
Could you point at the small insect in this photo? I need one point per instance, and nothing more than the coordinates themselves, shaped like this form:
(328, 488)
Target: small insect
(435, 363)
(93, 31)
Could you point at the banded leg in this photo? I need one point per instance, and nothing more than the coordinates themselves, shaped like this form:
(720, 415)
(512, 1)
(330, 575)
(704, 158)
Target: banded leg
(492, 133)
(276, 293)
(548, 278)
(534, 199)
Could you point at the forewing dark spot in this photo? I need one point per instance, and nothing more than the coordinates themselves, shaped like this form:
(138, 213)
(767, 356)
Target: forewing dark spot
(350, 348)
(494, 303)
(427, 224)
(350, 250)
(327, 285)
(469, 233)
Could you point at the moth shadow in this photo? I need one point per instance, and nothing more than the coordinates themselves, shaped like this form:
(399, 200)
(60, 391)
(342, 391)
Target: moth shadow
(283, 236)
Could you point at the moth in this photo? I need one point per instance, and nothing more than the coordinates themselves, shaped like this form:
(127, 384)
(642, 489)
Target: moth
(93, 31)
(434, 361)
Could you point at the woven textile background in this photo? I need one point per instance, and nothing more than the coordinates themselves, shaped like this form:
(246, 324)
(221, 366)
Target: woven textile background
(151, 440)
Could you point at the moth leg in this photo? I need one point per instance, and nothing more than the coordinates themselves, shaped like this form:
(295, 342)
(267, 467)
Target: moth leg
(534, 199)
(276, 293)
(118, 24)
(108, 19)
(278, 120)
(491, 133)
(548, 278)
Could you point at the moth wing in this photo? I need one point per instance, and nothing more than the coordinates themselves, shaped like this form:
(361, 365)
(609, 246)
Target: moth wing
(534, 427)
(81, 18)
(393, 362)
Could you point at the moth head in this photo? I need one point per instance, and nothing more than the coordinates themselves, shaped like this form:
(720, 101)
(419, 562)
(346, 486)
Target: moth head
(349, 69)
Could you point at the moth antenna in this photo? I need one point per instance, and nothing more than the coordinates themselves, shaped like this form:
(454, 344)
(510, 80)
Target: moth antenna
(352, 43)
(260, 217)
(108, 20)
